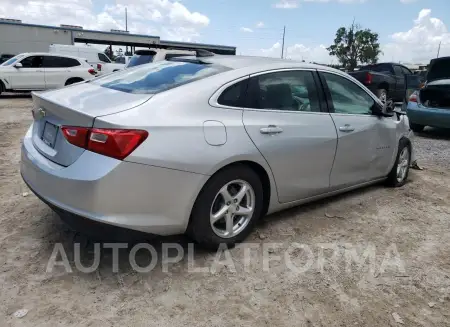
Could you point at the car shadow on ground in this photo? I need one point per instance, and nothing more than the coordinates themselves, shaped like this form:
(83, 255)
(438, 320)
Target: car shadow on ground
(435, 133)
(15, 96)
(83, 244)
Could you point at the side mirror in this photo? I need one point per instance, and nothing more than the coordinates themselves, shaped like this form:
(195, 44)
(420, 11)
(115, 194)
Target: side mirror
(18, 65)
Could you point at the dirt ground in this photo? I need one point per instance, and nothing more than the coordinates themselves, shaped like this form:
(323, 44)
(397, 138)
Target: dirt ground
(406, 229)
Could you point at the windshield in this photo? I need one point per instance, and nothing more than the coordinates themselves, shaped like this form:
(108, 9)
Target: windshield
(158, 77)
(12, 60)
(439, 69)
(137, 60)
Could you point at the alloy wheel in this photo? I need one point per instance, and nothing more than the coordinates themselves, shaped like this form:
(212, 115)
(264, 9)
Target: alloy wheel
(232, 208)
(403, 164)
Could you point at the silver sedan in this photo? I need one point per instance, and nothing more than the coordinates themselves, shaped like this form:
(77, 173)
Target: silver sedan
(207, 145)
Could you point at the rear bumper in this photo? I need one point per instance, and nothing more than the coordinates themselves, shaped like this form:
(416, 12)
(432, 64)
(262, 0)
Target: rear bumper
(434, 117)
(135, 196)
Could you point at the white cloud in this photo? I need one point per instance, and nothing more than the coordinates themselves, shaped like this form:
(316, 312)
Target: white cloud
(421, 42)
(341, 1)
(299, 52)
(167, 18)
(286, 4)
(260, 24)
(246, 30)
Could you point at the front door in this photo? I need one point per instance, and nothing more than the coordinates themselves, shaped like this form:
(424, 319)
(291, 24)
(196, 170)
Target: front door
(365, 141)
(30, 76)
(295, 137)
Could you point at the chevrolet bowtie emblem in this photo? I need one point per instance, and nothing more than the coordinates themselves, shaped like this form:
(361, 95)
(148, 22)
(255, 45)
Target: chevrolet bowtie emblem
(40, 113)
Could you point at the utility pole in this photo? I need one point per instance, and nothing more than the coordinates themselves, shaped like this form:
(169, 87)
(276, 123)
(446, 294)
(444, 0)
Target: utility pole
(126, 27)
(439, 49)
(282, 48)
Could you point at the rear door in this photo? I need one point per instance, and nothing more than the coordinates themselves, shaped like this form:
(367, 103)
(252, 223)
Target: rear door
(58, 70)
(30, 76)
(366, 143)
(286, 122)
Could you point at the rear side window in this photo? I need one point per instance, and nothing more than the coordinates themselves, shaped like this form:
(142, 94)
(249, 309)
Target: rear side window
(158, 77)
(60, 62)
(234, 95)
(287, 90)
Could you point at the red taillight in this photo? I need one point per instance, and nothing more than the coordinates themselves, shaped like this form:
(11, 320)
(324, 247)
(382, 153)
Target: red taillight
(115, 143)
(413, 97)
(99, 67)
(76, 135)
(368, 78)
(92, 71)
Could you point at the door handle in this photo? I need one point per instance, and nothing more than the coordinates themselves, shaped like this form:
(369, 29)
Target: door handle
(271, 129)
(346, 128)
(39, 71)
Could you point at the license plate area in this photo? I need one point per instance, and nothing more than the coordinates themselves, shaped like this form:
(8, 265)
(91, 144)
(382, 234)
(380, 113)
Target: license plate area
(49, 134)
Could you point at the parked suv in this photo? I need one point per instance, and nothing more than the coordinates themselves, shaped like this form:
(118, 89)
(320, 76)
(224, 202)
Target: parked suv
(42, 71)
(94, 57)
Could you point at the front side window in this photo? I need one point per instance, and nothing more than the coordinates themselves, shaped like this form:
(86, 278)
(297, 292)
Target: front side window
(158, 77)
(347, 97)
(32, 62)
(12, 60)
(103, 57)
(286, 90)
(398, 70)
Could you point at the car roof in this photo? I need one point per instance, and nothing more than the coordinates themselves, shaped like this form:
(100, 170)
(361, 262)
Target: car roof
(258, 63)
(49, 54)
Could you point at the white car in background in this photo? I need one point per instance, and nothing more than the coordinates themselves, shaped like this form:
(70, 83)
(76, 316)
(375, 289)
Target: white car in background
(100, 61)
(43, 71)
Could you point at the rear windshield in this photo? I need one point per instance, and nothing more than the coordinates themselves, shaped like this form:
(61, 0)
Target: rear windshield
(439, 69)
(158, 77)
(137, 60)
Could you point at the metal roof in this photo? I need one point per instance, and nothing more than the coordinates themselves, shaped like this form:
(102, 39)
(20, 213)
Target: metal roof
(74, 29)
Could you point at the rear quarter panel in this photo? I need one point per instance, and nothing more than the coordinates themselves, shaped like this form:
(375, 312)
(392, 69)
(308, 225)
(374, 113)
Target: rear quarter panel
(175, 121)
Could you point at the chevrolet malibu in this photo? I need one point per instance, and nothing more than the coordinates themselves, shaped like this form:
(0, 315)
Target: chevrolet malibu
(207, 144)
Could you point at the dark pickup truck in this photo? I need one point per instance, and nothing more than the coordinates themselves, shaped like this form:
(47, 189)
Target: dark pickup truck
(385, 80)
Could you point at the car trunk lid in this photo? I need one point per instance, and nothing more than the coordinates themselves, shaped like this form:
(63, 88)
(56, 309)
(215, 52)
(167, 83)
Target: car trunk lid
(76, 105)
(436, 94)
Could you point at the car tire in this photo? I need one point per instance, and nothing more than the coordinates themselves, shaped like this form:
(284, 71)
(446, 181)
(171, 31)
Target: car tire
(399, 173)
(210, 201)
(416, 127)
(382, 95)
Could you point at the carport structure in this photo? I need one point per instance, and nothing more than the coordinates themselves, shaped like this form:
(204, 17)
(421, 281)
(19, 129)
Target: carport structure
(17, 37)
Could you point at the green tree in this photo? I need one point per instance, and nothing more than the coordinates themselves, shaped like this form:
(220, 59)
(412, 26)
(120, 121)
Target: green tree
(354, 45)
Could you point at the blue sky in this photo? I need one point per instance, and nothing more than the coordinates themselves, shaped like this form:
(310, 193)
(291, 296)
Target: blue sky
(409, 30)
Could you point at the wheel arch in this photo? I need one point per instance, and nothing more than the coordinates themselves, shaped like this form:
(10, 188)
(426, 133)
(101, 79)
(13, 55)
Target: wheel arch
(264, 174)
(74, 79)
